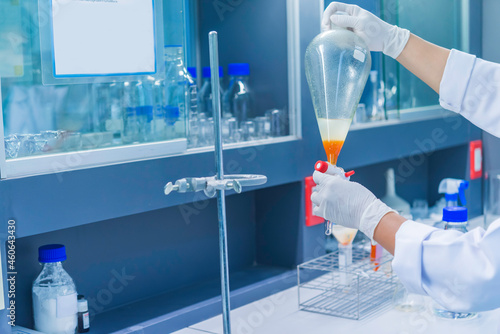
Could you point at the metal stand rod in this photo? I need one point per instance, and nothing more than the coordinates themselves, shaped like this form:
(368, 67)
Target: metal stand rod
(221, 199)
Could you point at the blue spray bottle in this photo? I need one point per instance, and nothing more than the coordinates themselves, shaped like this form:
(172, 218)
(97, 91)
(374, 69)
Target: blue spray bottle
(453, 189)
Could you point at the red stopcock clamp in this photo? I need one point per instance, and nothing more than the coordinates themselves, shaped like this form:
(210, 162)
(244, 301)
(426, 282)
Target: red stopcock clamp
(327, 168)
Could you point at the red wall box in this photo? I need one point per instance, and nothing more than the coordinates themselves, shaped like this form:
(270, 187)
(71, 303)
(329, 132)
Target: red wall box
(476, 159)
(311, 220)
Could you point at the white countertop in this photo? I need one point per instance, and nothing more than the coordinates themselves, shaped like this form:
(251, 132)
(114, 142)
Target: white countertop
(279, 313)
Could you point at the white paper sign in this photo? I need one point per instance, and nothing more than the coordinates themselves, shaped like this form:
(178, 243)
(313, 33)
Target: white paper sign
(103, 37)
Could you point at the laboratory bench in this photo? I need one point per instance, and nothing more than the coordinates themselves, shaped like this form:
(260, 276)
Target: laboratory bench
(279, 313)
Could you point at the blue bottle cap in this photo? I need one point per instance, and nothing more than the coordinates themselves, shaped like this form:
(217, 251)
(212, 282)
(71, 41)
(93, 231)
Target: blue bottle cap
(455, 214)
(238, 69)
(192, 71)
(207, 72)
(172, 112)
(51, 253)
(148, 112)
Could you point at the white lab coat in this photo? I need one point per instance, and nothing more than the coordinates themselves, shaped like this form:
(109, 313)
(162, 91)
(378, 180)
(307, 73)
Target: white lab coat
(460, 271)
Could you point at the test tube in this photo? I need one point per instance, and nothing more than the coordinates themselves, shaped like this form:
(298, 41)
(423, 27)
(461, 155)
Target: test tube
(345, 262)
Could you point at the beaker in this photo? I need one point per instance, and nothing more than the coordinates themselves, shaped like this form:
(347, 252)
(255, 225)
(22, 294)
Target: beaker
(405, 301)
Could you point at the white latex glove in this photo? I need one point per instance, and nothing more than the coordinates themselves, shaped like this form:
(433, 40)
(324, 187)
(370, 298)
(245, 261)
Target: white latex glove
(378, 35)
(347, 203)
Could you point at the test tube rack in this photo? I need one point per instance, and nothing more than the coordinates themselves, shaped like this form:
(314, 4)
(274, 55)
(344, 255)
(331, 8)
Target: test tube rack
(322, 288)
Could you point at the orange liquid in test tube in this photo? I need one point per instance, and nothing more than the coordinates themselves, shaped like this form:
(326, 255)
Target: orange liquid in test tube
(375, 255)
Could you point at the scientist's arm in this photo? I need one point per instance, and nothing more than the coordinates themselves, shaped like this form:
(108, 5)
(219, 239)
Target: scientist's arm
(460, 271)
(352, 205)
(385, 232)
(466, 85)
(426, 60)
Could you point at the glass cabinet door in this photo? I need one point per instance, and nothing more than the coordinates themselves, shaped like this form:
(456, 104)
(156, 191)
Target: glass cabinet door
(76, 123)
(103, 119)
(445, 23)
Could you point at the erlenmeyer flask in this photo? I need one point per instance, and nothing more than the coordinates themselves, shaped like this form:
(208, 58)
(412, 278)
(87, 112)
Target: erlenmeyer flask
(338, 64)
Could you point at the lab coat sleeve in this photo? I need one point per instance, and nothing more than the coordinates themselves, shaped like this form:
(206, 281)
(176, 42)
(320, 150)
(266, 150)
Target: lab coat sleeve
(459, 271)
(471, 87)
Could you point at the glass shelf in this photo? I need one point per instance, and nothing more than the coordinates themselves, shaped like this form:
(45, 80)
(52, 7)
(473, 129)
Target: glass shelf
(74, 125)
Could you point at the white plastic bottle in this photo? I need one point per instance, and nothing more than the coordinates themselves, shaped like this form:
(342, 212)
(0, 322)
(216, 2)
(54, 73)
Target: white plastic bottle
(54, 294)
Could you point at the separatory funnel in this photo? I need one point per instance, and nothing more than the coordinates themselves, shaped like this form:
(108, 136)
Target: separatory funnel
(338, 64)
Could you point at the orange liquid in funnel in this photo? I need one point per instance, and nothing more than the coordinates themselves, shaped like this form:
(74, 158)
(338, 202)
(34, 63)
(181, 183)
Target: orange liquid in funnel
(333, 134)
(332, 149)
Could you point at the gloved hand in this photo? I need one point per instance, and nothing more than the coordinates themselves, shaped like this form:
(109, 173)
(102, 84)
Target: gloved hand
(347, 203)
(378, 35)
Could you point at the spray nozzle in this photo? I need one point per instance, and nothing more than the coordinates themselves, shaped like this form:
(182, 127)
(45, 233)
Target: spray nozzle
(454, 188)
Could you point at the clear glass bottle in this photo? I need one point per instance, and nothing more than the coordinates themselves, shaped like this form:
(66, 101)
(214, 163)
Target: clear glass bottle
(146, 121)
(238, 99)
(375, 112)
(454, 218)
(205, 96)
(180, 93)
(159, 119)
(113, 121)
(133, 99)
(54, 294)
